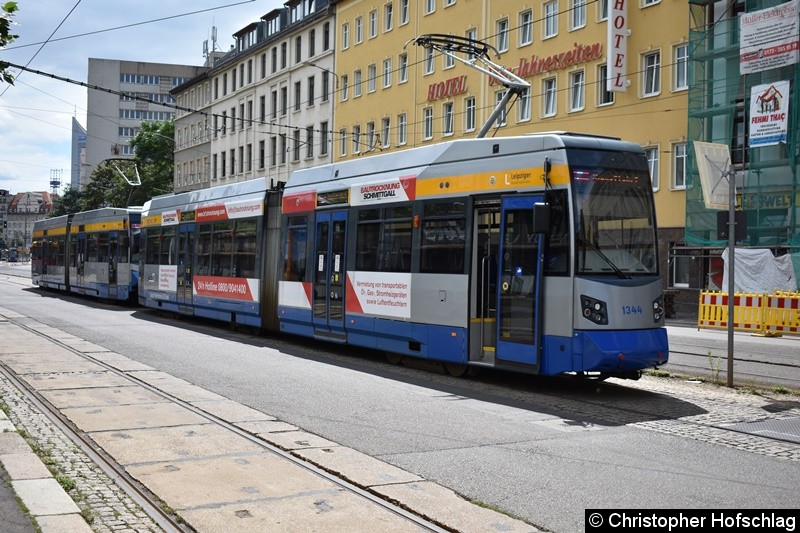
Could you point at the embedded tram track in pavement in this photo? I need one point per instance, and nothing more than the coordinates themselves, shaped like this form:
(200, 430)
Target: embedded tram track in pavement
(193, 460)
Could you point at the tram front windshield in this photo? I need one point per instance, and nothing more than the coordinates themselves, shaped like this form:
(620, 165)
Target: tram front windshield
(615, 217)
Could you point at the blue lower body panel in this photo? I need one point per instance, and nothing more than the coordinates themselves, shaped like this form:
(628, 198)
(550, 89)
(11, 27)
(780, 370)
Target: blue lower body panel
(620, 351)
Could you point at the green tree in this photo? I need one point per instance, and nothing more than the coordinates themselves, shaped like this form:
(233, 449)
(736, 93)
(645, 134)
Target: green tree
(68, 203)
(153, 160)
(6, 37)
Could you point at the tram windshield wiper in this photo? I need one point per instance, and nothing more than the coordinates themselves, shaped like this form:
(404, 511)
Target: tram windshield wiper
(596, 249)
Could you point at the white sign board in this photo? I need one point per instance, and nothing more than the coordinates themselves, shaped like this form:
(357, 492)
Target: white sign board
(769, 114)
(713, 163)
(617, 45)
(769, 38)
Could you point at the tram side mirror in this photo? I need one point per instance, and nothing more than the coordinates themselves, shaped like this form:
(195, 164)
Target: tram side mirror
(541, 217)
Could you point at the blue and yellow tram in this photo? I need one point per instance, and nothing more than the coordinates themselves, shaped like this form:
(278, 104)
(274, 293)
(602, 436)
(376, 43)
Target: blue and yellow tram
(93, 253)
(536, 254)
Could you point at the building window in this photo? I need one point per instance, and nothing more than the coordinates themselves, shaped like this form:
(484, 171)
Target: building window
(284, 53)
(342, 142)
(312, 43)
(311, 95)
(356, 139)
(679, 166)
(652, 162)
(429, 60)
(577, 14)
(647, 3)
(274, 60)
(550, 21)
(262, 155)
(344, 87)
(323, 141)
(372, 74)
(387, 73)
(310, 142)
(602, 10)
(283, 148)
(326, 85)
(472, 35)
(357, 84)
(359, 30)
(298, 91)
(386, 132)
(524, 105)
(373, 23)
(549, 100)
(402, 129)
(447, 118)
(680, 66)
(296, 145)
(680, 264)
(345, 36)
(326, 36)
(388, 14)
(525, 28)
(469, 114)
(576, 91)
(370, 136)
(652, 73)
(449, 61)
(502, 35)
(249, 157)
(403, 12)
(402, 69)
(502, 118)
(604, 96)
(427, 123)
(430, 6)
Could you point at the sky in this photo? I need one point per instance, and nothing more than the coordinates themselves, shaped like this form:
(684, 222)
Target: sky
(59, 36)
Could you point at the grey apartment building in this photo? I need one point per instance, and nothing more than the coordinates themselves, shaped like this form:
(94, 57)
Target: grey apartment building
(112, 119)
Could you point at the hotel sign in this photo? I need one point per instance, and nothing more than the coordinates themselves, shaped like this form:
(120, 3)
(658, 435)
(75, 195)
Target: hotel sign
(617, 46)
(444, 89)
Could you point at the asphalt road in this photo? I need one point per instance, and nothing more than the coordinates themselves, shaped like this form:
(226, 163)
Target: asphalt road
(543, 450)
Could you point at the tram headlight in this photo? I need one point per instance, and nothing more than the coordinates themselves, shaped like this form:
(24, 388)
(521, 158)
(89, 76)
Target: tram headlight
(658, 309)
(594, 310)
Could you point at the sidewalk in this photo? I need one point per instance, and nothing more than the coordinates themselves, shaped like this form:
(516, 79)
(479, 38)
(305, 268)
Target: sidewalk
(212, 477)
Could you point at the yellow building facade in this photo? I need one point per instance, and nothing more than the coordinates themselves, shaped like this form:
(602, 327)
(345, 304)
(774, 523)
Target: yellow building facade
(393, 94)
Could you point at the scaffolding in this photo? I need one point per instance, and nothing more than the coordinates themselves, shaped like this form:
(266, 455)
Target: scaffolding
(719, 104)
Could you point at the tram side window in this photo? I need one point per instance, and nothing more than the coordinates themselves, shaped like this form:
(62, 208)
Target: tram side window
(102, 247)
(383, 239)
(443, 238)
(60, 249)
(295, 252)
(221, 248)
(152, 246)
(245, 249)
(558, 238)
(91, 247)
(204, 250)
(167, 254)
(368, 239)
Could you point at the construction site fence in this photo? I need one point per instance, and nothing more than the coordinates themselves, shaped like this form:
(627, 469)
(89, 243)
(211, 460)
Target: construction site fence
(767, 314)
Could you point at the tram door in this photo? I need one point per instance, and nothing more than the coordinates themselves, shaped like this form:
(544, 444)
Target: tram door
(329, 274)
(184, 262)
(80, 259)
(519, 283)
(483, 315)
(113, 262)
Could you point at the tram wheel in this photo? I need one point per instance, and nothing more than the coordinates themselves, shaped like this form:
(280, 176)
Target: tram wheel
(394, 358)
(457, 370)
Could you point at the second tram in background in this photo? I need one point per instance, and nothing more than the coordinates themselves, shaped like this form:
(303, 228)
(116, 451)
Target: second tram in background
(535, 254)
(93, 253)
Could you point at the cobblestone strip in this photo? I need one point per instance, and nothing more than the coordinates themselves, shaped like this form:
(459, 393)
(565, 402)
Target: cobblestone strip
(723, 406)
(105, 506)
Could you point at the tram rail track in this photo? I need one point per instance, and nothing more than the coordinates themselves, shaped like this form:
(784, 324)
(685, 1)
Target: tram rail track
(150, 502)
